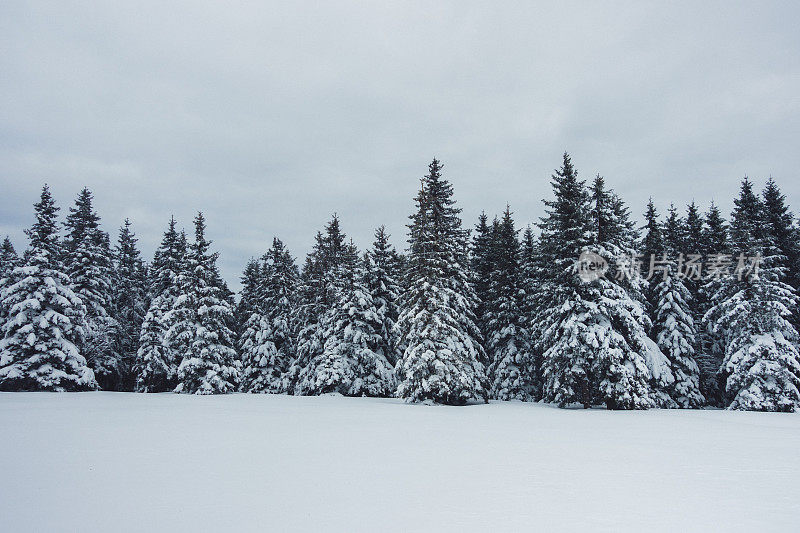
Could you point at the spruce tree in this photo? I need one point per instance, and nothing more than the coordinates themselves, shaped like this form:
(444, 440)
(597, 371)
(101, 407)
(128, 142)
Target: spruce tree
(89, 263)
(595, 346)
(8, 261)
(268, 343)
(203, 314)
(44, 319)
(761, 364)
(709, 349)
(442, 358)
(156, 361)
(783, 240)
(513, 370)
(322, 282)
(352, 361)
(674, 331)
(481, 266)
(381, 268)
(130, 302)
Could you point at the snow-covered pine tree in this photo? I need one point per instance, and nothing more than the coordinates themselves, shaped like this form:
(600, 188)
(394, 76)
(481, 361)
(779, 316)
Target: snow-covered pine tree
(44, 319)
(156, 361)
(352, 362)
(89, 263)
(709, 349)
(594, 344)
(130, 302)
(761, 365)
(481, 266)
(784, 237)
(8, 257)
(321, 285)
(8, 261)
(269, 349)
(672, 322)
(513, 371)
(531, 284)
(674, 331)
(381, 266)
(442, 358)
(616, 238)
(201, 332)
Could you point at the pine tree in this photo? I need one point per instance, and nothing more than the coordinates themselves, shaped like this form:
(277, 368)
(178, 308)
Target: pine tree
(531, 304)
(761, 365)
(481, 266)
(157, 362)
(8, 257)
(381, 267)
(675, 334)
(90, 267)
(202, 314)
(44, 319)
(442, 357)
(351, 362)
(782, 239)
(130, 302)
(513, 369)
(322, 282)
(268, 346)
(596, 349)
(709, 356)
(8, 261)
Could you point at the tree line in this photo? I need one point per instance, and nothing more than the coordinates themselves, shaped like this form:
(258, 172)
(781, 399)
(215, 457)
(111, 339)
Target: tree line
(460, 316)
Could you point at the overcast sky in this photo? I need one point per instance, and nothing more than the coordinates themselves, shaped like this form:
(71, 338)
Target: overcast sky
(269, 118)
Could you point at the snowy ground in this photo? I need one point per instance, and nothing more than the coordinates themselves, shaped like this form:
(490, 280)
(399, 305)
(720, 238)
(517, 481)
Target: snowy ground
(167, 462)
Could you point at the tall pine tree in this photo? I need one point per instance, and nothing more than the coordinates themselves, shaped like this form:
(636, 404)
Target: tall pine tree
(203, 314)
(44, 320)
(442, 358)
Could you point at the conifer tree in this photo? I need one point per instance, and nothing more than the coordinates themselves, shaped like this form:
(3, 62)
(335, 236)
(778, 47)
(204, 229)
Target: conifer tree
(268, 346)
(322, 281)
(351, 362)
(595, 343)
(481, 266)
(761, 365)
(709, 349)
(8, 257)
(513, 369)
(44, 319)
(8, 261)
(381, 267)
(156, 361)
(201, 333)
(781, 236)
(442, 357)
(675, 335)
(89, 263)
(130, 302)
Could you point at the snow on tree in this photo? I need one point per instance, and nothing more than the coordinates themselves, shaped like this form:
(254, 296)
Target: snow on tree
(130, 301)
(675, 334)
(267, 343)
(595, 347)
(513, 370)
(352, 361)
(156, 361)
(381, 267)
(202, 314)
(442, 358)
(44, 319)
(750, 316)
(481, 266)
(321, 285)
(8, 261)
(89, 263)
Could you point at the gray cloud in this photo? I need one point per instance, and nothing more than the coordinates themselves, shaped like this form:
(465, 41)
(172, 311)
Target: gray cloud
(271, 117)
